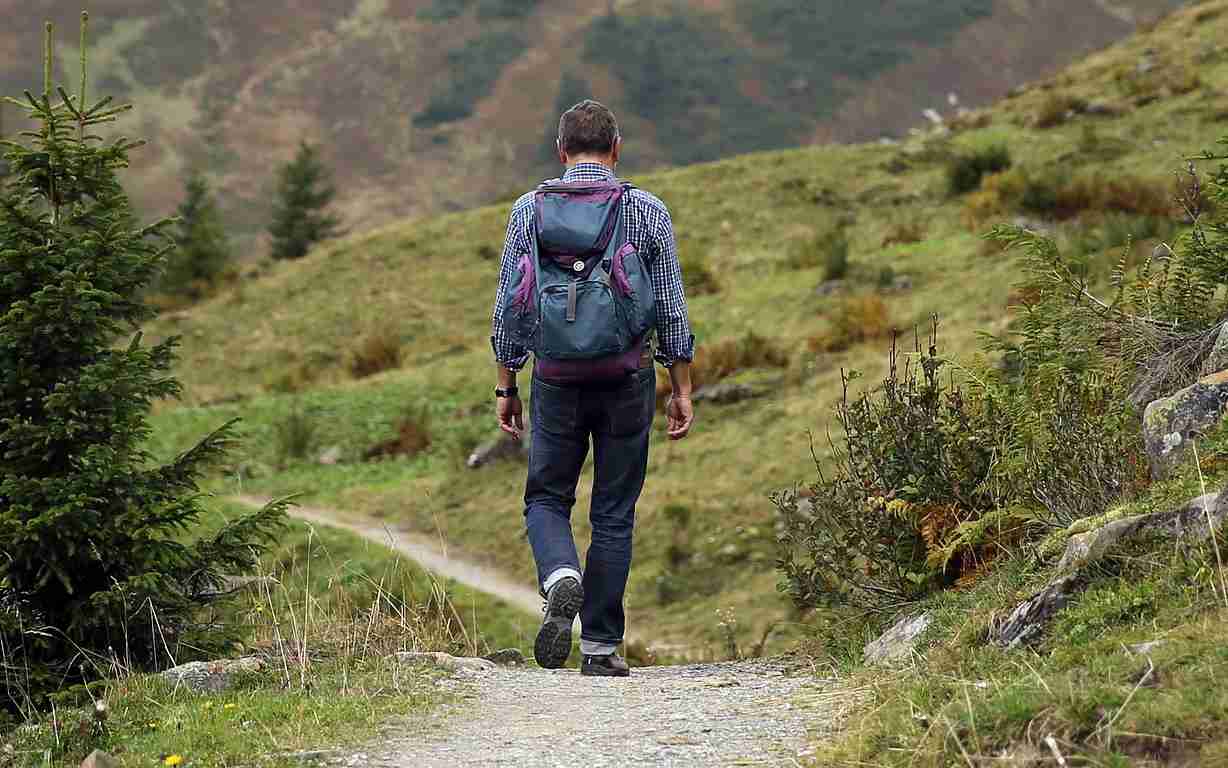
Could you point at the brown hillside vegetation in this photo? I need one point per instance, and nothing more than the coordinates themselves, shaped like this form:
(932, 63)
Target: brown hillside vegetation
(432, 105)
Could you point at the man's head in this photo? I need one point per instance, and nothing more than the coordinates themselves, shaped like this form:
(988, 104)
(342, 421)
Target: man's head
(588, 132)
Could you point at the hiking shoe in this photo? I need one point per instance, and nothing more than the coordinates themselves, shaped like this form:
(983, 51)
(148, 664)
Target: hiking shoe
(553, 644)
(611, 665)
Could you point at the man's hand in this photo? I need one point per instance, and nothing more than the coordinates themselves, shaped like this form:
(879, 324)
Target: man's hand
(510, 412)
(680, 415)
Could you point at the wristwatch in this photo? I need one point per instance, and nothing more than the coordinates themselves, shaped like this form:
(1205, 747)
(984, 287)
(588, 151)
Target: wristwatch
(509, 392)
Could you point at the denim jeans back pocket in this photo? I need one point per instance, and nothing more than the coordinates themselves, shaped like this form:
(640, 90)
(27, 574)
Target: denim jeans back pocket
(555, 410)
(630, 408)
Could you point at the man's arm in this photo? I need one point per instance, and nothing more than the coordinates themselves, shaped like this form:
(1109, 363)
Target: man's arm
(674, 338)
(509, 356)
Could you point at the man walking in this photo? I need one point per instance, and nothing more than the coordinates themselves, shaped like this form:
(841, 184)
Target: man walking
(589, 274)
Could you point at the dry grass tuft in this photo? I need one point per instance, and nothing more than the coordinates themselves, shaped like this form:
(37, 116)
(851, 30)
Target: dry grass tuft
(720, 360)
(413, 437)
(378, 351)
(858, 319)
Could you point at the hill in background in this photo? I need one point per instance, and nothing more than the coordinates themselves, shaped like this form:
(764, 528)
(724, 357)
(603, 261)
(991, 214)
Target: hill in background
(426, 106)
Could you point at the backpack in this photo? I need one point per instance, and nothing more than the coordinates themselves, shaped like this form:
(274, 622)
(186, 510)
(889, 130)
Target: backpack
(584, 303)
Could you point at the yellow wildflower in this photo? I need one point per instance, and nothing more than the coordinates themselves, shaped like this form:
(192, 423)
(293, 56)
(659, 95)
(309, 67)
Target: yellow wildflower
(229, 706)
(173, 760)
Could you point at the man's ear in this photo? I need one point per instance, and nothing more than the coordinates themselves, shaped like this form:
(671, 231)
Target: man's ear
(618, 149)
(558, 147)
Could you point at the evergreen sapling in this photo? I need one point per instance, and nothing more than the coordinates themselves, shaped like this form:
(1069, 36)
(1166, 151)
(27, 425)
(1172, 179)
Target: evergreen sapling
(101, 564)
(300, 212)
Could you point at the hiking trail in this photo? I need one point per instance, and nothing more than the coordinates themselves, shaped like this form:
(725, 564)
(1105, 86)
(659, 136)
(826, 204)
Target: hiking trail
(756, 712)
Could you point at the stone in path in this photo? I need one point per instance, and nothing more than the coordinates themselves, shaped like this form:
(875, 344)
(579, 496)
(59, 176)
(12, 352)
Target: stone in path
(743, 713)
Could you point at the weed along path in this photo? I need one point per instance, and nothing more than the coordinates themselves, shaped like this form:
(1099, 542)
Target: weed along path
(760, 713)
(429, 553)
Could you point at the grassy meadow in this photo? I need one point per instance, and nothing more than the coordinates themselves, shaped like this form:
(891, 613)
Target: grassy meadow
(289, 349)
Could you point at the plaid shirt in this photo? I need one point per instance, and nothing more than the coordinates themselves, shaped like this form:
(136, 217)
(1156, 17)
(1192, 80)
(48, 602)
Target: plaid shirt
(648, 227)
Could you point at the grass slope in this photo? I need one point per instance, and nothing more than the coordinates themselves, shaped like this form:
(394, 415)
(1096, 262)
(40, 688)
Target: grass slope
(705, 536)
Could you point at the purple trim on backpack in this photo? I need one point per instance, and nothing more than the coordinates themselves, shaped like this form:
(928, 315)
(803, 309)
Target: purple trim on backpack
(528, 282)
(611, 368)
(618, 270)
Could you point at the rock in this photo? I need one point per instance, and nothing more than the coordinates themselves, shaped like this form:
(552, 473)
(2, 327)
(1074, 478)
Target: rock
(1028, 620)
(1217, 358)
(445, 661)
(898, 642)
(831, 287)
(99, 759)
(233, 584)
(725, 393)
(330, 457)
(212, 676)
(501, 448)
(508, 657)
(1103, 109)
(1172, 423)
(1145, 649)
(1085, 548)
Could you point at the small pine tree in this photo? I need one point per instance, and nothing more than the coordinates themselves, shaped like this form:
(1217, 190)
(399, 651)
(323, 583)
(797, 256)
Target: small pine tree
(300, 213)
(100, 563)
(202, 250)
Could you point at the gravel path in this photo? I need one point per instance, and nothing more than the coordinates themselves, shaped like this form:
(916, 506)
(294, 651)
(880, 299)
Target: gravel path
(743, 713)
(431, 554)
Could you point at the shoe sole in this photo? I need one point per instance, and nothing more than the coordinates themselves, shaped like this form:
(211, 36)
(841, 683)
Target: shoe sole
(553, 644)
(603, 672)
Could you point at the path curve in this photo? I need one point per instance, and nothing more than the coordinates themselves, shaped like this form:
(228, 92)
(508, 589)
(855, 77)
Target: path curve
(430, 553)
(739, 713)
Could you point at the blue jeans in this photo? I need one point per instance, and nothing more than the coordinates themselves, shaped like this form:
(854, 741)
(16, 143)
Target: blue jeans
(617, 418)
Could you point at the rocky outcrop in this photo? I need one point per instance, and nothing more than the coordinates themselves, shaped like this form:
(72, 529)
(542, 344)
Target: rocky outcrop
(726, 393)
(1171, 424)
(898, 643)
(99, 759)
(212, 676)
(1191, 522)
(1217, 358)
(1028, 620)
(445, 662)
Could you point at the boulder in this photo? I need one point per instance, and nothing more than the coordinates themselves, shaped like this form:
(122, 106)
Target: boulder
(330, 457)
(898, 642)
(212, 676)
(99, 759)
(725, 393)
(501, 448)
(831, 287)
(1217, 358)
(444, 661)
(1171, 424)
(508, 657)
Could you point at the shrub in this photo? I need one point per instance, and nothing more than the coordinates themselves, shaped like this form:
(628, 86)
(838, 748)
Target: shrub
(909, 469)
(699, 276)
(294, 435)
(907, 232)
(202, 251)
(857, 319)
(413, 437)
(1056, 195)
(378, 351)
(829, 250)
(97, 567)
(722, 359)
(1056, 109)
(964, 172)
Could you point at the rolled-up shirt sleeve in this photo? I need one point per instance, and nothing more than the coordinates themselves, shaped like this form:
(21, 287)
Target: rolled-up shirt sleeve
(674, 338)
(508, 353)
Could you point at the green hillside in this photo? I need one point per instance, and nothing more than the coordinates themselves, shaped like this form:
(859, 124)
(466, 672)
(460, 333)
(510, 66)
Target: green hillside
(427, 106)
(755, 231)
